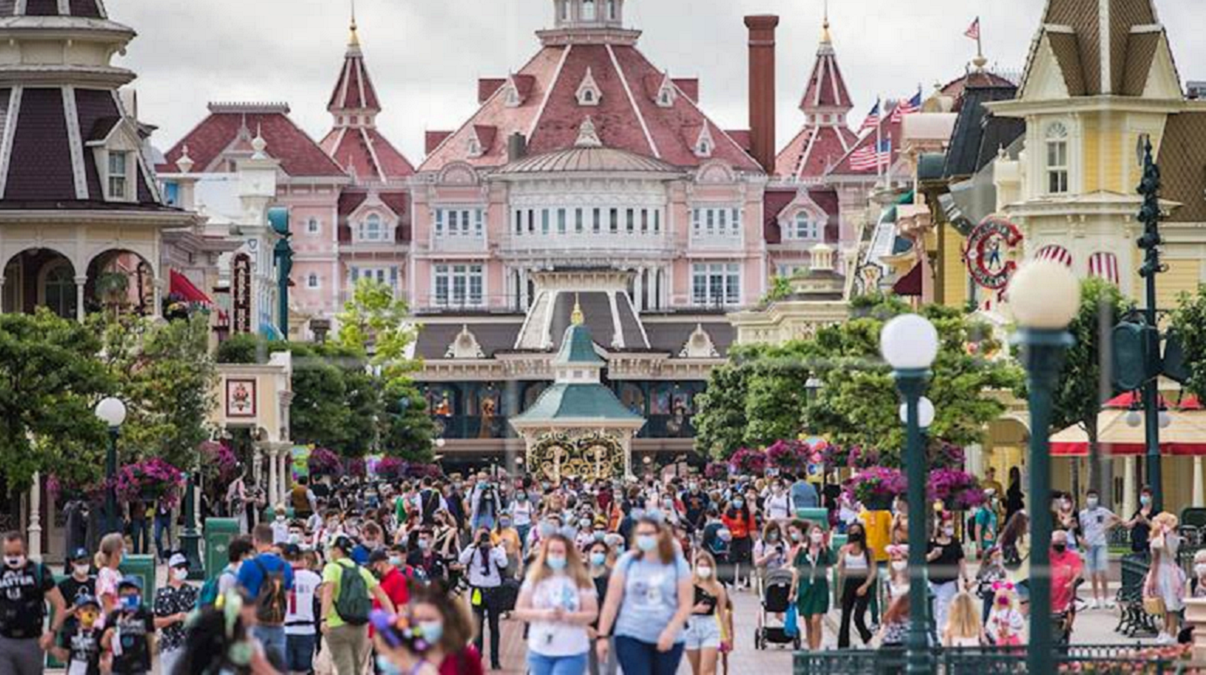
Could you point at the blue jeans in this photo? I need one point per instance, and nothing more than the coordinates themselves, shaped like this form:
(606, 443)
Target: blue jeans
(163, 525)
(299, 652)
(273, 639)
(556, 665)
(643, 657)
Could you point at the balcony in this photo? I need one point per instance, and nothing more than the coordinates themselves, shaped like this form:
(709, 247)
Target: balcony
(628, 242)
(730, 241)
(476, 426)
(458, 244)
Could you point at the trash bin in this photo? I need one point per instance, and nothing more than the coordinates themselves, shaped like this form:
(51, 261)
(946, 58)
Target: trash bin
(820, 516)
(142, 566)
(270, 513)
(218, 533)
(51, 661)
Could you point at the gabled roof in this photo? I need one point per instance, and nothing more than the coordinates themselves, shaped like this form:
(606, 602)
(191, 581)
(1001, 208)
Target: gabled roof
(626, 119)
(971, 131)
(1096, 61)
(365, 152)
(228, 130)
(826, 87)
(814, 151)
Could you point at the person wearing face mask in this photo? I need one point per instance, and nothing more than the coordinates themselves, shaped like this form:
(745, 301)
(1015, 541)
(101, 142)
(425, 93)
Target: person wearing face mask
(559, 602)
(485, 563)
(79, 581)
(898, 572)
(1064, 517)
(280, 525)
(1165, 579)
(395, 580)
(506, 535)
(1066, 568)
(173, 602)
(130, 631)
(856, 578)
(739, 519)
(521, 517)
(1096, 521)
(599, 568)
(704, 634)
(770, 553)
(447, 630)
(28, 586)
(778, 506)
(649, 600)
(947, 567)
(696, 504)
(301, 630)
(484, 504)
(810, 585)
(1140, 523)
(107, 560)
(80, 641)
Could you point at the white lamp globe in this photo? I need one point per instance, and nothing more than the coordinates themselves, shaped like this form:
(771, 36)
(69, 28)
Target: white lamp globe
(111, 411)
(925, 413)
(1134, 419)
(1165, 419)
(439, 442)
(1044, 294)
(909, 342)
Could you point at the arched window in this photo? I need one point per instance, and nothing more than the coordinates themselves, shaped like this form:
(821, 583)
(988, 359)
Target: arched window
(59, 290)
(1057, 159)
(312, 280)
(371, 229)
(804, 227)
(588, 10)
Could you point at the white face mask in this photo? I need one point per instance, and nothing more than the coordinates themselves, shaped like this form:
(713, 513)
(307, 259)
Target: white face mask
(1200, 569)
(81, 570)
(704, 572)
(817, 537)
(1092, 502)
(180, 574)
(948, 531)
(900, 565)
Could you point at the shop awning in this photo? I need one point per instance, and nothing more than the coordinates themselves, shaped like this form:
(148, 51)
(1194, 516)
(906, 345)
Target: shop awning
(187, 291)
(1185, 434)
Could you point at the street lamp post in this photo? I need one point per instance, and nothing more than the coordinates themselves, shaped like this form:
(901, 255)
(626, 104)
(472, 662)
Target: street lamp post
(1044, 296)
(112, 412)
(190, 536)
(909, 343)
(1149, 215)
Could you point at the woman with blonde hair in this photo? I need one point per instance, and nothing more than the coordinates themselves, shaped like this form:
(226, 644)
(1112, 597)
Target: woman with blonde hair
(963, 627)
(108, 559)
(649, 599)
(1165, 579)
(558, 599)
(704, 628)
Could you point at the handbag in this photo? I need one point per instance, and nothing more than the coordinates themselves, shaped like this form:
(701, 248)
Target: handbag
(791, 626)
(1154, 606)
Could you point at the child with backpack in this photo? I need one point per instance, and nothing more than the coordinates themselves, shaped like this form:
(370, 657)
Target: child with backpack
(129, 637)
(80, 641)
(347, 599)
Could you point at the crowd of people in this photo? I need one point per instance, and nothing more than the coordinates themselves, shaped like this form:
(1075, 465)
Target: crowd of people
(352, 577)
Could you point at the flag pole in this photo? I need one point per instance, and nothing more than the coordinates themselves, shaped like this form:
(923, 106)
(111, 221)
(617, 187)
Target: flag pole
(879, 125)
(979, 38)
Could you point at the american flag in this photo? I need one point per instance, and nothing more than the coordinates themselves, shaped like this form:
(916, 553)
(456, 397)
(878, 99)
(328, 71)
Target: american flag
(907, 107)
(872, 119)
(973, 31)
(872, 155)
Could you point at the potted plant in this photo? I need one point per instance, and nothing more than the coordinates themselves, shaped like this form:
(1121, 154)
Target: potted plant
(876, 487)
(790, 457)
(391, 469)
(716, 471)
(957, 489)
(748, 462)
(324, 462)
(149, 480)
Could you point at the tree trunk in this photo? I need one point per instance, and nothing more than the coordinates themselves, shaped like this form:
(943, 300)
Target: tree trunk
(1095, 477)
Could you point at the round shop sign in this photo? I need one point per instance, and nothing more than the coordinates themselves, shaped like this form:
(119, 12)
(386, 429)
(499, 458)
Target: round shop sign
(987, 252)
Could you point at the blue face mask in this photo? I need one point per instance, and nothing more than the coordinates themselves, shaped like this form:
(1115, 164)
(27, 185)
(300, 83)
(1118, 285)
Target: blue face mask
(597, 559)
(738, 503)
(130, 602)
(432, 631)
(386, 666)
(556, 563)
(646, 542)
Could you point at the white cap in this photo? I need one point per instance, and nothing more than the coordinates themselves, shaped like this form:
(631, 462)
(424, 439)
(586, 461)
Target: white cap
(177, 560)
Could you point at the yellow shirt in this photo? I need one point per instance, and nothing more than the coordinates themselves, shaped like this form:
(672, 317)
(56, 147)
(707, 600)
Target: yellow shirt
(331, 574)
(878, 525)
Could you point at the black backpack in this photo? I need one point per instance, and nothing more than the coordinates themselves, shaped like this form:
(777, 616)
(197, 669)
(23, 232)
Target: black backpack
(272, 602)
(353, 604)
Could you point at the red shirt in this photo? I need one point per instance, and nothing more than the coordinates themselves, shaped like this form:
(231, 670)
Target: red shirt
(465, 662)
(397, 586)
(1065, 567)
(741, 528)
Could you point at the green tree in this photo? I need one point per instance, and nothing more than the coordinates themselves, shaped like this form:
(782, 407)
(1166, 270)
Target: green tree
(407, 430)
(721, 419)
(1083, 385)
(166, 377)
(776, 393)
(319, 413)
(379, 324)
(1189, 323)
(50, 380)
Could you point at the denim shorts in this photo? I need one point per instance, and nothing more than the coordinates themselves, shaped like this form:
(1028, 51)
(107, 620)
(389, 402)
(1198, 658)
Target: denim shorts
(299, 652)
(1097, 559)
(702, 633)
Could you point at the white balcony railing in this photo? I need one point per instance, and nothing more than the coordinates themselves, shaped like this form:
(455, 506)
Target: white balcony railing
(587, 241)
(459, 244)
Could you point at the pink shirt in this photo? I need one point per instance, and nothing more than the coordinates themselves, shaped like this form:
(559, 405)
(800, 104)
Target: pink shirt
(1065, 567)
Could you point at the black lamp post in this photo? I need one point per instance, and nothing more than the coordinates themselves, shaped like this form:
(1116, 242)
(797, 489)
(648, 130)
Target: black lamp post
(1149, 215)
(111, 411)
(909, 343)
(190, 535)
(1044, 296)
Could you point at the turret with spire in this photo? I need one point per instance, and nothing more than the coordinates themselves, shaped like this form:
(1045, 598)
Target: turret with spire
(826, 100)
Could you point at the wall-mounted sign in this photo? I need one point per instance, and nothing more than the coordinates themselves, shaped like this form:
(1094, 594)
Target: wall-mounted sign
(240, 398)
(987, 252)
(241, 293)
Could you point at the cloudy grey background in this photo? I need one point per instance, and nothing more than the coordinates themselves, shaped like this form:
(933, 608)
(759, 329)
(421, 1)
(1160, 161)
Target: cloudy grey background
(425, 55)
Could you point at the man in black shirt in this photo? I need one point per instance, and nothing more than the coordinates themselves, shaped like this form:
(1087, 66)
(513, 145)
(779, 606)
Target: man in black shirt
(425, 560)
(695, 506)
(79, 643)
(130, 631)
(25, 588)
(81, 583)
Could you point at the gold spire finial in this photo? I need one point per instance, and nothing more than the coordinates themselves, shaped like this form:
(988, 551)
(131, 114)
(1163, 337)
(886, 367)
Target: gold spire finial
(825, 37)
(353, 37)
(577, 318)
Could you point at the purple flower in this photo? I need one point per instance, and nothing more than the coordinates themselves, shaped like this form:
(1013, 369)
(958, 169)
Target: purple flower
(748, 462)
(324, 462)
(716, 471)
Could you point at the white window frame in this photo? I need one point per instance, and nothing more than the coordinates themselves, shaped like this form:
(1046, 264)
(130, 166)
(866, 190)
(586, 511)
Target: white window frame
(593, 13)
(716, 221)
(804, 226)
(313, 282)
(716, 284)
(1057, 160)
(464, 285)
(313, 226)
(128, 176)
(363, 231)
(459, 222)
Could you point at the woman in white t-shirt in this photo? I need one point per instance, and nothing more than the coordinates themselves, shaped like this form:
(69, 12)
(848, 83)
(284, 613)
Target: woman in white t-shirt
(777, 505)
(558, 599)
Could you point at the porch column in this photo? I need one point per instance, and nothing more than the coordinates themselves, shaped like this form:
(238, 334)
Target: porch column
(523, 289)
(1129, 491)
(273, 494)
(257, 465)
(157, 299)
(35, 518)
(2, 294)
(638, 288)
(79, 298)
(1198, 500)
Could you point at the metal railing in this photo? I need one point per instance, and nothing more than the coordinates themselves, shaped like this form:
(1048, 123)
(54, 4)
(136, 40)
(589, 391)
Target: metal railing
(1128, 658)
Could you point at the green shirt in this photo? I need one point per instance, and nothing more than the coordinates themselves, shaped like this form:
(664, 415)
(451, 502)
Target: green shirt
(331, 574)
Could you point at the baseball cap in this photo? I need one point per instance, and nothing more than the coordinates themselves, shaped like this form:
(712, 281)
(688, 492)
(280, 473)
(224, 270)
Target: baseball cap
(378, 555)
(80, 553)
(84, 600)
(130, 581)
(178, 560)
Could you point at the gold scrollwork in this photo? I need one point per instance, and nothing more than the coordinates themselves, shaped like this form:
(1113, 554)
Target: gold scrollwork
(590, 456)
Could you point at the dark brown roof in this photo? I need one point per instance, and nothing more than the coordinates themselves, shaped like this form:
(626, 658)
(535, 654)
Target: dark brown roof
(1067, 52)
(433, 339)
(1183, 166)
(1083, 16)
(1140, 50)
(40, 164)
(670, 337)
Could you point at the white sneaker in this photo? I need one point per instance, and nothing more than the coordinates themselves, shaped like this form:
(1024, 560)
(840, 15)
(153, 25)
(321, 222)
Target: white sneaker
(1110, 604)
(1165, 639)
(1093, 603)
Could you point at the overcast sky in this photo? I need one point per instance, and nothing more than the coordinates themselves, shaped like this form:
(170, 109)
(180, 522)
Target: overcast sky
(425, 55)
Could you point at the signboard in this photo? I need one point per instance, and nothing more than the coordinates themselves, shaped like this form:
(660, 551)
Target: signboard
(240, 398)
(241, 293)
(987, 252)
(301, 460)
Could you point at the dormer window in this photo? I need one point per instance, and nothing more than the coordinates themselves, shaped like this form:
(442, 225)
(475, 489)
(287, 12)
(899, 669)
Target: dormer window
(804, 228)
(119, 175)
(588, 90)
(588, 10)
(704, 145)
(372, 229)
(512, 97)
(475, 147)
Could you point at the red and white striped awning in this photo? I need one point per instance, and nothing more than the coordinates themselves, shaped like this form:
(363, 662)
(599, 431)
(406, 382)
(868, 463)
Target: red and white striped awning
(1104, 265)
(1054, 252)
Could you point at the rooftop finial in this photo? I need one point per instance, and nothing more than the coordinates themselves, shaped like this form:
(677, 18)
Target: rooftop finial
(353, 37)
(825, 37)
(577, 318)
(588, 136)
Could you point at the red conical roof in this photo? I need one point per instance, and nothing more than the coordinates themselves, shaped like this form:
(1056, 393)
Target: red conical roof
(354, 91)
(826, 87)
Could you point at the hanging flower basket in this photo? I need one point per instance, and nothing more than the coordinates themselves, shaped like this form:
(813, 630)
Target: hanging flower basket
(391, 469)
(789, 456)
(218, 460)
(149, 480)
(716, 471)
(748, 462)
(357, 467)
(324, 462)
(957, 489)
(424, 471)
(875, 488)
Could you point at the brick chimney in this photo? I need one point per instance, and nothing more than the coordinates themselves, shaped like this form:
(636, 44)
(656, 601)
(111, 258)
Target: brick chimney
(762, 88)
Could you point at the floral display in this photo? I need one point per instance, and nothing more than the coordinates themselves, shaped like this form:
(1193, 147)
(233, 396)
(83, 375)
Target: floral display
(219, 460)
(391, 468)
(789, 456)
(876, 487)
(357, 467)
(955, 488)
(151, 479)
(716, 471)
(324, 462)
(748, 462)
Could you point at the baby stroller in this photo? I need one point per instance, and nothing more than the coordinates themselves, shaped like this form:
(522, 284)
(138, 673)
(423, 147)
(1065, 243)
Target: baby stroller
(776, 591)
